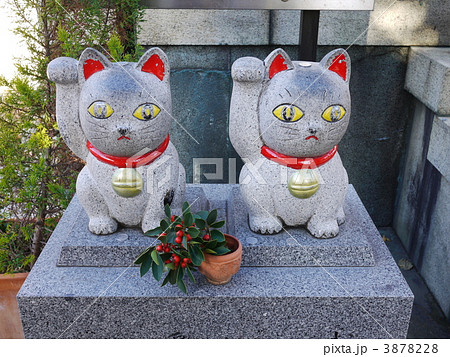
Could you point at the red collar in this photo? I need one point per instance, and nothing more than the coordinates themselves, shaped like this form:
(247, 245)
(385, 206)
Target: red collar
(133, 161)
(298, 162)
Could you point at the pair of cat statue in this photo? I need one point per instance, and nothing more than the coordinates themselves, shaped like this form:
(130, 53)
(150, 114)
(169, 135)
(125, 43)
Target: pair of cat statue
(286, 119)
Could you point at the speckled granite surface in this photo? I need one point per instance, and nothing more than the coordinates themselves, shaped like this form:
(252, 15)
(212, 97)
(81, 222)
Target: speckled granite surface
(292, 247)
(259, 302)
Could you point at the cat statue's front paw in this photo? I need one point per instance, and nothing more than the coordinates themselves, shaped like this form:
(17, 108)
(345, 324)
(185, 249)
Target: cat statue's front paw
(323, 228)
(102, 225)
(265, 225)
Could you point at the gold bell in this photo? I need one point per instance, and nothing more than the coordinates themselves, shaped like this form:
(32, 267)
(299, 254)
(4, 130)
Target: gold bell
(303, 183)
(127, 182)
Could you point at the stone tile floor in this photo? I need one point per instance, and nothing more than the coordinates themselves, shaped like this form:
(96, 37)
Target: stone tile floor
(427, 320)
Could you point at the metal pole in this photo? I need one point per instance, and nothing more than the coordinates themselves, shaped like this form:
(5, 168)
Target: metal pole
(309, 30)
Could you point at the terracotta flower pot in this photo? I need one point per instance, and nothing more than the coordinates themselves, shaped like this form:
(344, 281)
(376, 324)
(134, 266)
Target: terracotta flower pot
(10, 324)
(219, 269)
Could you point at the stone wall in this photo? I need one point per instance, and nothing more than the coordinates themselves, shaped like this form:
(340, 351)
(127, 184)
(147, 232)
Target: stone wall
(203, 44)
(423, 203)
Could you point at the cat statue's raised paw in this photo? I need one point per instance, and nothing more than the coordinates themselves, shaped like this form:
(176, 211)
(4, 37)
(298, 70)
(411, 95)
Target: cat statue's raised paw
(116, 117)
(286, 119)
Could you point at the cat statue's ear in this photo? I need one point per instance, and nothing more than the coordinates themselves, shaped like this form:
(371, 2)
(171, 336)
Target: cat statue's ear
(277, 61)
(338, 61)
(155, 61)
(90, 62)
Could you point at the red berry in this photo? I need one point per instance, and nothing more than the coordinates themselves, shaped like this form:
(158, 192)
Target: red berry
(159, 248)
(176, 259)
(180, 233)
(188, 237)
(163, 234)
(206, 237)
(178, 240)
(167, 250)
(178, 227)
(189, 261)
(183, 265)
(167, 261)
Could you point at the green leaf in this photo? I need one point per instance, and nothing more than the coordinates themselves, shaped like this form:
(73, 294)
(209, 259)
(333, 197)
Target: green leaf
(211, 244)
(173, 276)
(217, 224)
(185, 207)
(164, 225)
(203, 215)
(143, 255)
(196, 255)
(190, 275)
(200, 223)
(212, 216)
(154, 232)
(182, 286)
(217, 235)
(193, 232)
(209, 251)
(188, 219)
(167, 211)
(157, 271)
(222, 250)
(171, 237)
(166, 279)
(155, 257)
(145, 266)
(184, 241)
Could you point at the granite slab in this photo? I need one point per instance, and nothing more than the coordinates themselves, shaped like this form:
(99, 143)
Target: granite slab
(259, 302)
(292, 247)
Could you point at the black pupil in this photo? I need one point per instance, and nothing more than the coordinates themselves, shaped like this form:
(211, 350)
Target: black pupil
(285, 113)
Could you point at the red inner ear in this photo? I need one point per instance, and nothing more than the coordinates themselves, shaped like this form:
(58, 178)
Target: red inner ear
(155, 66)
(277, 65)
(91, 66)
(339, 66)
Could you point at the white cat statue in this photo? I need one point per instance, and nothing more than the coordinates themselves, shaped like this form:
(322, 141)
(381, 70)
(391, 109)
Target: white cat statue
(286, 119)
(116, 117)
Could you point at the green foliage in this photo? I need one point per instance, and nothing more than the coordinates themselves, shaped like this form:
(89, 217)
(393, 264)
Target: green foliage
(37, 170)
(183, 242)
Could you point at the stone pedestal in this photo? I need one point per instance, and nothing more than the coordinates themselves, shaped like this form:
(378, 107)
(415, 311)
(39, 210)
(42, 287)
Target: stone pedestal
(291, 285)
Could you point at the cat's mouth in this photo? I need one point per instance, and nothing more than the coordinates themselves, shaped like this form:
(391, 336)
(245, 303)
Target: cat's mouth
(124, 137)
(312, 137)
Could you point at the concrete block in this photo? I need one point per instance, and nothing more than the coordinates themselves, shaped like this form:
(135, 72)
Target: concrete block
(411, 175)
(428, 78)
(259, 302)
(205, 27)
(400, 23)
(198, 57)
(285, 26)
(439, 148)
(436, 256)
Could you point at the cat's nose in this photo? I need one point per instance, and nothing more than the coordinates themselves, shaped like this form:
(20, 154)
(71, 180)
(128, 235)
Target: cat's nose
(122, 131)
(312, 130)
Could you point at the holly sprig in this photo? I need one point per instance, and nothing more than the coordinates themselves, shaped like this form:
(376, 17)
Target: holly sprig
(183, 242)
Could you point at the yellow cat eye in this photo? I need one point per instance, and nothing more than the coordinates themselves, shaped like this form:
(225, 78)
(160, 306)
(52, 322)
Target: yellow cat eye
(146, 111)
(333, 113)
(288, 112)
(100, 110)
